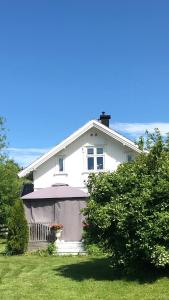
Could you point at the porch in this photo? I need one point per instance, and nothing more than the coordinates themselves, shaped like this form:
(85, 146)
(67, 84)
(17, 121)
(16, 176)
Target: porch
(40, 235)
(58, 204)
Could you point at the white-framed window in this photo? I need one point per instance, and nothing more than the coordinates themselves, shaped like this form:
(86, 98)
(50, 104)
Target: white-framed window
(130, 157)
(95, 158)
(61, 164)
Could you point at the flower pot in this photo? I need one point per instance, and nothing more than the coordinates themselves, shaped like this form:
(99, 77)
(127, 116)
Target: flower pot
(58, 233)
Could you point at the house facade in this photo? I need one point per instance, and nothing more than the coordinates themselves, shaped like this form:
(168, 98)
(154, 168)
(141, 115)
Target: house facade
(93, 148)
(60, 180)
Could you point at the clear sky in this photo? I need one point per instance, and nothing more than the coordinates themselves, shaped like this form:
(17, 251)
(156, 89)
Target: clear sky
(63, 62)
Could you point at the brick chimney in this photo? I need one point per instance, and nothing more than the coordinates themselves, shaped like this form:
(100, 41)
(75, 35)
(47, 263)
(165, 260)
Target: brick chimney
(104, 119)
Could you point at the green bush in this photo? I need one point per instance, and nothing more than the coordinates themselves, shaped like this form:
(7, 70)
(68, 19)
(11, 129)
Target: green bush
(160, 256)
(128, 210)
(10, 188)
(51, 248)
(93, 249)
(17, 240)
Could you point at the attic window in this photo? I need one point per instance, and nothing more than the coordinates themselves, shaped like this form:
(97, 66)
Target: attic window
(95, 158)
(129, 157)
(61, 164)
(90, 151)
(99, 150)
(90, 163)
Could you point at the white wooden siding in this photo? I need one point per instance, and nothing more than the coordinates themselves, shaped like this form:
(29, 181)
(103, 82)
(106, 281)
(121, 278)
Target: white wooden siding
(75, 171)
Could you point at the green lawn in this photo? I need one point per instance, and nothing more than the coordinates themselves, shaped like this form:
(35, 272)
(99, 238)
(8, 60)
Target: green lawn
(64, 278)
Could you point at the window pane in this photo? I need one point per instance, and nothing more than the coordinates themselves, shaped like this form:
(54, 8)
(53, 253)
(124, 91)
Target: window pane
(90, 163)
(99, 150)
(90, 151)
(61, 164)
(129, 157)
(100, 163)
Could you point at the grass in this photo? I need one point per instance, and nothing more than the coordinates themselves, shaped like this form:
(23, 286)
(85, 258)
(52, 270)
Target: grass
(2, 245)
(81, 277)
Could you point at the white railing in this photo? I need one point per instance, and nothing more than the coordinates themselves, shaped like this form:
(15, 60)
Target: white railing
(3, 230)
(39, 232)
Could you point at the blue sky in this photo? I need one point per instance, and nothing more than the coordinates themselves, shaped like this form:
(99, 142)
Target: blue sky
(63, 62)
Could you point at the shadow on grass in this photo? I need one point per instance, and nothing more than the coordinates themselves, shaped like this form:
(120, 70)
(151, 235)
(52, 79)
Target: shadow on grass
(100, 269)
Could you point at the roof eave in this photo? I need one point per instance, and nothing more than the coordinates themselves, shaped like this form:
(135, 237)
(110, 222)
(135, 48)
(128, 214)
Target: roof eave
(55, 150)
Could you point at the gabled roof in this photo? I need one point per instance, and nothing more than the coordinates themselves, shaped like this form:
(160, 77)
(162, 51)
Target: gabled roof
(91, 124)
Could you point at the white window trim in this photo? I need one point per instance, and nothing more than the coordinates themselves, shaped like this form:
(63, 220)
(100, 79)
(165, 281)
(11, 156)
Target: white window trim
(95, 155)
(61, 157)
(57, 172)
(127, 157)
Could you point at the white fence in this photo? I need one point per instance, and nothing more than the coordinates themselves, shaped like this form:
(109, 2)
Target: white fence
(3, 230)
(39, 232)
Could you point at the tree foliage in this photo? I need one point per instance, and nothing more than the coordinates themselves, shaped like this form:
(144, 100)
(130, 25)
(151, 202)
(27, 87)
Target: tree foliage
(128, 210)
(10, 187)
(2, 136)
(10, 184)
(17, 240)
(11, 207)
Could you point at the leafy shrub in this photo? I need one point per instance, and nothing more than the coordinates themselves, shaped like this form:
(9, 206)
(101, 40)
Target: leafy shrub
(160, 256)
(128, 210)
(51, 249)
(10, 187)
(17, 240)
(93, 249)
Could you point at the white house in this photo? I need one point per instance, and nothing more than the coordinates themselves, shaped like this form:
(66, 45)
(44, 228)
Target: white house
(93, 148)
(61, 174)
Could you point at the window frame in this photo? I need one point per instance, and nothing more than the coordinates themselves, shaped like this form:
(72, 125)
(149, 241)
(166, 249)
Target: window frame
(95, 155)
(63, 163)
(130, 157)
